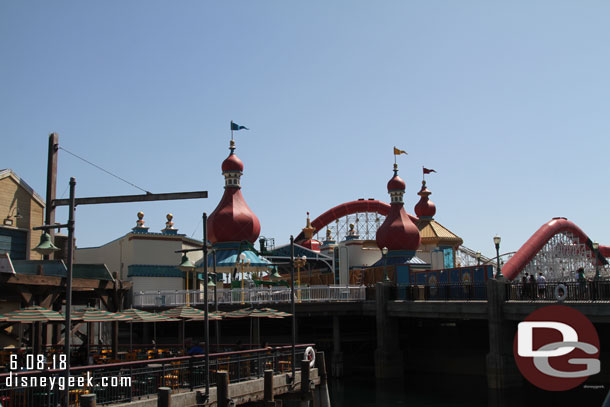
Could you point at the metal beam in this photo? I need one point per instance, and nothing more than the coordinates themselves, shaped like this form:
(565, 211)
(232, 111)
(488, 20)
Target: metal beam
(133, 198)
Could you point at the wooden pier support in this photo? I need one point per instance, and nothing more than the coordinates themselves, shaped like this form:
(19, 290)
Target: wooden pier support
(321, 397)
(164, 397)
(222, 389)
(388, 356)
(305, 386)
(87, 400)
(502, 372)
(269, 398)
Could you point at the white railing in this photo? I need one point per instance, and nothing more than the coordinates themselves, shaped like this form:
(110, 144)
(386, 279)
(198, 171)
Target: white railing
(259, 295)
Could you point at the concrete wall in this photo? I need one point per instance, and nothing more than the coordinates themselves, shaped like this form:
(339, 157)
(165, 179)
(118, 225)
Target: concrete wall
(110, 254)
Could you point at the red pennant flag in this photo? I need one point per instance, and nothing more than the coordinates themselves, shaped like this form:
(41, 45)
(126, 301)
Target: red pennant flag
(428, 171)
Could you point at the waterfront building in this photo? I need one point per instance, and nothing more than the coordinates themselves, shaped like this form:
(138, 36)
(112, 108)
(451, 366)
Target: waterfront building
(147, 259)
(21, 208)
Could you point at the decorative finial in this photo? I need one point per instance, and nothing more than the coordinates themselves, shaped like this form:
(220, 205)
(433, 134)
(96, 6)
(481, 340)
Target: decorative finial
(169, 224)
(328, 234)
(140, 228)
(308, 230)
(140, 222)
(395, 169)
(232, 146)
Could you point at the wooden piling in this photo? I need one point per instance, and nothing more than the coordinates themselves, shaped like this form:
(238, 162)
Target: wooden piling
(222, 388)
(87, 400)
(164, 398)
(305, 376)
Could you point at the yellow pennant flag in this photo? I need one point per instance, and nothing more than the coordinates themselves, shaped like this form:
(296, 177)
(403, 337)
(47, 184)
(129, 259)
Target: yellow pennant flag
(399, 152)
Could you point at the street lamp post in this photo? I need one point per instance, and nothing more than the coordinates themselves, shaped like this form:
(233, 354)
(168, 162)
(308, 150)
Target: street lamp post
(596, 251)
(216, 298)
(186, 265)
(477, 256)
(292, 308)
(243, 262)
(299, 262)
(70, 254)
(384, 252)
(497, 240)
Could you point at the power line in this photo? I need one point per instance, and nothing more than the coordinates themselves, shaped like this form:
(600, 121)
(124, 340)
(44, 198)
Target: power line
(197, 227)
(106, 171)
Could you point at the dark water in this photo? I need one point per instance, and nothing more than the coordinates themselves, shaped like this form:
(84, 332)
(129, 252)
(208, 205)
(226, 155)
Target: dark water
(363, 391)
(451, 391)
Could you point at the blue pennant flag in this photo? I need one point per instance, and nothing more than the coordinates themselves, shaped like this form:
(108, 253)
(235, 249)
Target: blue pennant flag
(235, 126)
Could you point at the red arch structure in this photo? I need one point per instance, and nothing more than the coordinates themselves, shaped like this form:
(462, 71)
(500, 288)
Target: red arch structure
(349, 208)
(526, 253)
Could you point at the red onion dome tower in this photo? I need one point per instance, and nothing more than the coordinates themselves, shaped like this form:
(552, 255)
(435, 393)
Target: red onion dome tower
(233, 220)
(425, 208)
(398, 232)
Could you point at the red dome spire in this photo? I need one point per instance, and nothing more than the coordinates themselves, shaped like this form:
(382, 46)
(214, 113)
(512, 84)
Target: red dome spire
(232, 163)
(397, 232)
(233, 220)
(425, 208)
(309, 241)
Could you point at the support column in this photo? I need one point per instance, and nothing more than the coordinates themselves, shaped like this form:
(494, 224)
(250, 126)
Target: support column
(388, 356)
(336, 366)
(502, 372)
(256, 331)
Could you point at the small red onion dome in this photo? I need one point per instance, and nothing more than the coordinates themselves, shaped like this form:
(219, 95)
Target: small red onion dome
(396, 184)
(425, 207)
(232, 163)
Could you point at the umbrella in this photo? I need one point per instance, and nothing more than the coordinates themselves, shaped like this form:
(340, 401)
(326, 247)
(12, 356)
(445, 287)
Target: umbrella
(34, 314)
(186, 312)
(256, 313)
(137, 315)
(89, 315)
(98, 315)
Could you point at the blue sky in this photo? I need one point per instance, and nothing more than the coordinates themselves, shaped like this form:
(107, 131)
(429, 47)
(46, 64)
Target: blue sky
(508, 101)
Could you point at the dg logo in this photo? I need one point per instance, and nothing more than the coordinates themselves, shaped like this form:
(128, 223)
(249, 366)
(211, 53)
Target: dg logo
(556, 348)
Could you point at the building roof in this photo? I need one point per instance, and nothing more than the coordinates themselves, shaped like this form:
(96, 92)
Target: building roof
(432, 232)
(7, 172)
(299, 251)
(153, 270)
(406, 258)
(57, 268)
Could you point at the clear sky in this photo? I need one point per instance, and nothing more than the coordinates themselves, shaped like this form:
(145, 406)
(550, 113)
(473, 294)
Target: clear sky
(507, 101)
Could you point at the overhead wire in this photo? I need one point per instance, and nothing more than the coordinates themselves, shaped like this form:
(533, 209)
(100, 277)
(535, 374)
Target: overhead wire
(106, 171)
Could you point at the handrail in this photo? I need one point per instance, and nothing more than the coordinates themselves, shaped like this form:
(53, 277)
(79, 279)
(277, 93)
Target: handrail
(160, 360)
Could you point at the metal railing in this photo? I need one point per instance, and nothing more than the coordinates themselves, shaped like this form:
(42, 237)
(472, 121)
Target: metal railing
(125, 382)
(584, 291)
(258, 295)
(443, 292)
